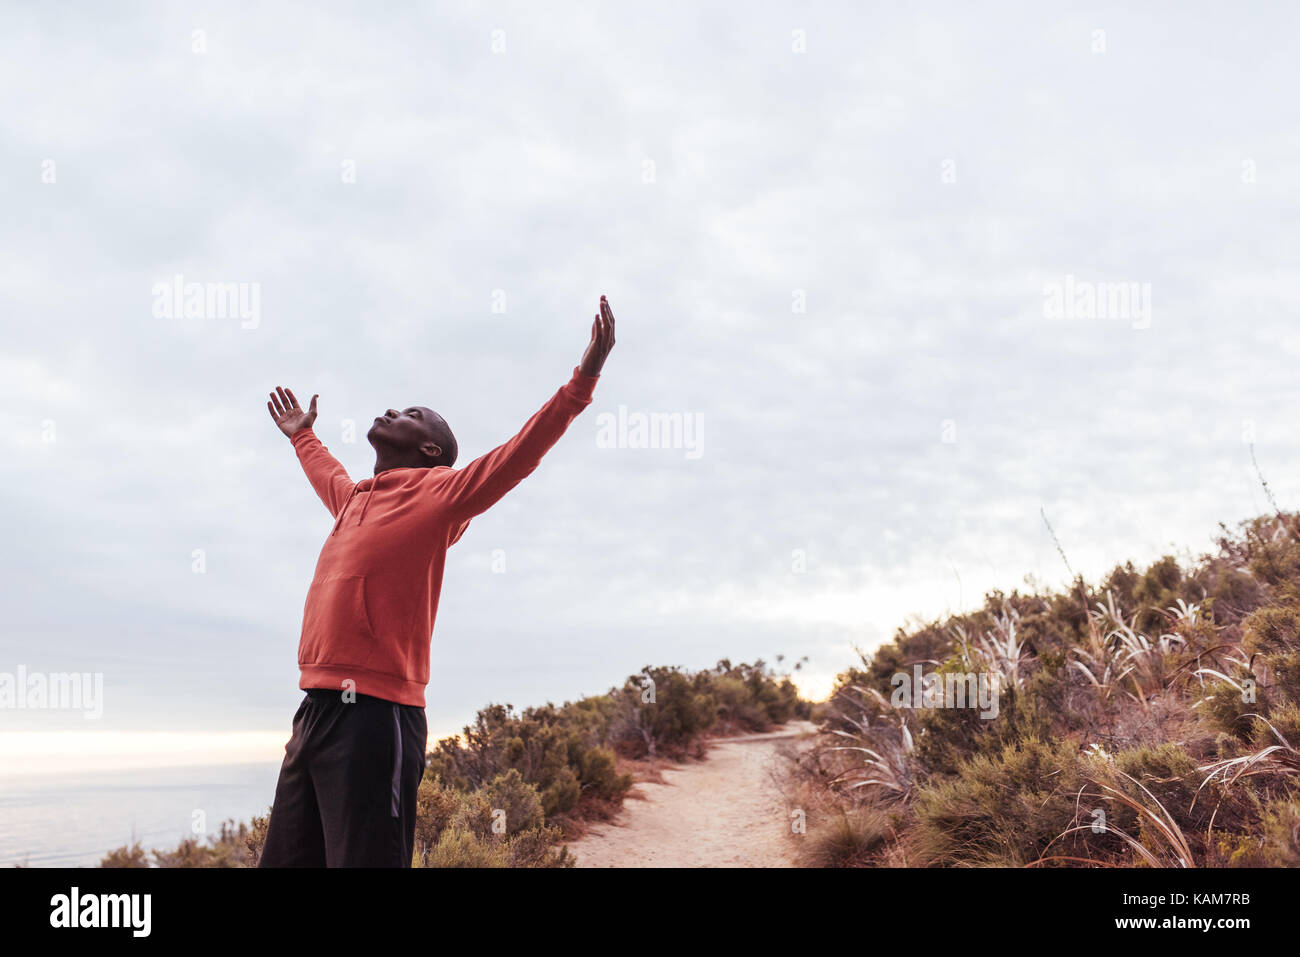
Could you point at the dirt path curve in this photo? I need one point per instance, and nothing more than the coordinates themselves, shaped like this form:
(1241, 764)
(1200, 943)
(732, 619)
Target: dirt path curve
(724, 811)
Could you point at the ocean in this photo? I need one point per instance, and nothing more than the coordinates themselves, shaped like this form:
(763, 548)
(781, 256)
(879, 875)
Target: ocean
(74, 820)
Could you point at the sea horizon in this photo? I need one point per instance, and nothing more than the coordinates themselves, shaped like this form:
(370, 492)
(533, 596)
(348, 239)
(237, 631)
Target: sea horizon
(74, 820)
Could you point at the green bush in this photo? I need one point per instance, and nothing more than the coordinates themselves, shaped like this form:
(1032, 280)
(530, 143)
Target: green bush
(1124, 697)
(1001, 810)
(562, 794)
(511, 794)
(232, 846)
(461, 848)
(598, 773)
(133, 856)
(1273, 842)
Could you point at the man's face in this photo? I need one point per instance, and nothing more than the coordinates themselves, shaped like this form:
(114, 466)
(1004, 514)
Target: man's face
(405, 430)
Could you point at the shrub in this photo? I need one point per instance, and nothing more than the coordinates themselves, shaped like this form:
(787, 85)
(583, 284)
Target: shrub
(536, 848)
(598, 773)
(1001, 810)
(510, 793)
(133, 856)
(562, 794)
(461, 848)
(1153, 720)
(850, 838)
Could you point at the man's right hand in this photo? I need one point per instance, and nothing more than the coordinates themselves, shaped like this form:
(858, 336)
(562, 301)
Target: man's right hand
(602, 341)
(288, 414)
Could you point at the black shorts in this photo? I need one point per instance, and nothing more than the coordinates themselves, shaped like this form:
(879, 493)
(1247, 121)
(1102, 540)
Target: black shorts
(347, 787)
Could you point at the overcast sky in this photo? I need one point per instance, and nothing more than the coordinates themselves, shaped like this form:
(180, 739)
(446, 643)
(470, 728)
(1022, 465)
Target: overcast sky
(826, 231)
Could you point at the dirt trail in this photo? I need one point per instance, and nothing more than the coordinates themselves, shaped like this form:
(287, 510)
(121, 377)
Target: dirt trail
(724, 811)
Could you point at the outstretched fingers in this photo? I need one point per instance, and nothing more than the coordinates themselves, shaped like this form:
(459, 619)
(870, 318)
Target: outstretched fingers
(287, 413)
(607, 323)
(283, 402)
(608, 314)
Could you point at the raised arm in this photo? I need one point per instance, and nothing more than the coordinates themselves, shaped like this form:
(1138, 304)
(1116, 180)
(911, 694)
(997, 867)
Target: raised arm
(483, 482)
(327, 475)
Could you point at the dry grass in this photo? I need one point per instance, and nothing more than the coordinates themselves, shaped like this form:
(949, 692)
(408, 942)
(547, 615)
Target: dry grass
(1160, 841)
(1135, 698)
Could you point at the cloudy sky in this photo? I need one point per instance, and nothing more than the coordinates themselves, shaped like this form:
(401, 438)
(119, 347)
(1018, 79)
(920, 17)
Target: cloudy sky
(828, 232)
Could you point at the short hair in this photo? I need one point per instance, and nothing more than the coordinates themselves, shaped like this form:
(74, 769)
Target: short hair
(441, 433)
(449, 448)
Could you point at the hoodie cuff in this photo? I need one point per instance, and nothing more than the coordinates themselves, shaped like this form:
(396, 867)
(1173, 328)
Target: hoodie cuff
(583, 385)
(301, 436)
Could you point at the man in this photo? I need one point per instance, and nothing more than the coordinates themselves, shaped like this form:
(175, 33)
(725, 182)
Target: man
(347, 787)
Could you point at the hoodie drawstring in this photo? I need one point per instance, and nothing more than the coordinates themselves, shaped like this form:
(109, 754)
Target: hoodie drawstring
(364, 505)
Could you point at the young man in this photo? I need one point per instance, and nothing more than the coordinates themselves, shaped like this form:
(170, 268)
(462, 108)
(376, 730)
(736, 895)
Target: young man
(347, 787)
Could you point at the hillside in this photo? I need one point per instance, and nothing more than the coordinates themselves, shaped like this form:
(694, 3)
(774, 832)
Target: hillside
(1149, 719)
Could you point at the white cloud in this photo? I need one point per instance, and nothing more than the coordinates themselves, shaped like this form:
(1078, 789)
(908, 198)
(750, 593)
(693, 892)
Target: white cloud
(523, 172)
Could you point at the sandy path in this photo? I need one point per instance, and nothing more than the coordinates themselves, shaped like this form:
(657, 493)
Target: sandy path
(724, 811)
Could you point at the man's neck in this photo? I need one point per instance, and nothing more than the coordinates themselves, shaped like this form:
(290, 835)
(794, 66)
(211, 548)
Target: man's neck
(387, 465)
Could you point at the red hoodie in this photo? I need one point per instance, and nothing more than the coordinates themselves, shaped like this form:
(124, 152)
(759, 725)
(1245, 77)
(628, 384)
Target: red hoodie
(372, 602)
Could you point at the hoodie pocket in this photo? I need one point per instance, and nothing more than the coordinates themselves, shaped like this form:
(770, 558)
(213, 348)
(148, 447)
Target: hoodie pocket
(336, 626)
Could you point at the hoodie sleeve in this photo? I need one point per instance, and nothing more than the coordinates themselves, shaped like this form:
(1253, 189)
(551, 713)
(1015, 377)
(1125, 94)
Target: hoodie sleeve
(327, 475)
(485, 481)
